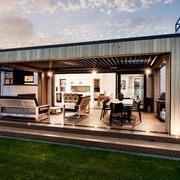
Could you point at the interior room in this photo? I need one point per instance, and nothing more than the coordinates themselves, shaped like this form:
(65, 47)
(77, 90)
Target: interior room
(136, 86)
(85, 84)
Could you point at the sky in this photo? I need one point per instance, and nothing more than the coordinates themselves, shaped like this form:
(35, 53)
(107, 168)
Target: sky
(25, 23)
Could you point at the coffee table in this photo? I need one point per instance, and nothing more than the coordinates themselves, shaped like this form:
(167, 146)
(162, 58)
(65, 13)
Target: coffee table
(56, 109)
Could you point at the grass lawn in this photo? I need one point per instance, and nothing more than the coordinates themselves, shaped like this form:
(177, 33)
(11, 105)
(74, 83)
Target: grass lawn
(33, 160)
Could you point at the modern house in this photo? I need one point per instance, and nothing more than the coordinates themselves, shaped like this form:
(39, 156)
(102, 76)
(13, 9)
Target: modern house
(143, 68)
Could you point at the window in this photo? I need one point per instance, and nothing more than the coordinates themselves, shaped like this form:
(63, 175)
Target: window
(163, 79)
(132, 86)
(62, 85)
(137, 87)
(28, 79)
(8, 77)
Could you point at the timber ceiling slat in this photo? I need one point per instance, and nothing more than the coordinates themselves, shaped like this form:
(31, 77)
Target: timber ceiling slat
(87, 61)
(93, 62)
(81, 63)
(118, 60)
(113, 63)
(98, 61)
(126, 60)
(122, 61)
(106, 62)
(110, 61)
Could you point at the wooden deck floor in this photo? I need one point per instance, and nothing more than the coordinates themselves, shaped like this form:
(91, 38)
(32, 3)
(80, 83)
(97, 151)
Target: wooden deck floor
(92, 120)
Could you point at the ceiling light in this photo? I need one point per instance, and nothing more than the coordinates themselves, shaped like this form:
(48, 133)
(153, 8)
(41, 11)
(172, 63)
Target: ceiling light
(94, 72)
(148, 71)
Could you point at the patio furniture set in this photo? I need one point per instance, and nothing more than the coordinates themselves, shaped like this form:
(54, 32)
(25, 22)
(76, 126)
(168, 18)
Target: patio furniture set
(26, 105)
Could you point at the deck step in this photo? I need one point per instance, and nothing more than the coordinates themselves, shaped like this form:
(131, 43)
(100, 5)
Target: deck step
(95, 140)
(152, 137)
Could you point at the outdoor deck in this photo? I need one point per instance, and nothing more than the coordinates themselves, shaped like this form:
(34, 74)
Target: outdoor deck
(92, 120)
(147, 137)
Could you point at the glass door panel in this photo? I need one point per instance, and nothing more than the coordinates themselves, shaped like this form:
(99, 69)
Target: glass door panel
(132, 86)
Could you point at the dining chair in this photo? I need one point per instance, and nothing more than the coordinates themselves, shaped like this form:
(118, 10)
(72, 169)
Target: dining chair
(105, 108)
(136, 108)
(117, 112)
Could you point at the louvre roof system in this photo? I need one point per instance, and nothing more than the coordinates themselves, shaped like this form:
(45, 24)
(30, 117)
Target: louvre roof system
(101, 64)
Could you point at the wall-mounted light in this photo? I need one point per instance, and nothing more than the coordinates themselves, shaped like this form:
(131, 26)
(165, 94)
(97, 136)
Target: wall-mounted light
(49, 73)
(148, 71)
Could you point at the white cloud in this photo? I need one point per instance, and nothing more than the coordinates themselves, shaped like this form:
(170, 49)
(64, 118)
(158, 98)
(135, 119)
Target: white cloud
(42, 6)
(124, 5)
(10, 6)
(169, 1)
(120, 5)
(25, 35)
(15, 30)
(21, 30)
(149, 3)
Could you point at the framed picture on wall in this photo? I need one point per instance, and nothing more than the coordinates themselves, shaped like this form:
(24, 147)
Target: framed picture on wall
(28, 79)
(62, 85)
(123, 84)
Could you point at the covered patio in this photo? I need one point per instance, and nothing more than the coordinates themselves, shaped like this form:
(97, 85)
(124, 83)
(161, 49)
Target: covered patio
(119, 56)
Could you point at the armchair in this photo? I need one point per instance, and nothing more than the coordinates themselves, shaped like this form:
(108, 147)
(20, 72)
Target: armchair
(82, 105)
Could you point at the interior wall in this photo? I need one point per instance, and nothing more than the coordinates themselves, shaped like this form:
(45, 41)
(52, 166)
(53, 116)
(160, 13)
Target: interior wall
(14, 90)
(107, 83)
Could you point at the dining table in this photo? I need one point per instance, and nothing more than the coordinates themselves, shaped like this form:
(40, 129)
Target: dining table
(127, 103)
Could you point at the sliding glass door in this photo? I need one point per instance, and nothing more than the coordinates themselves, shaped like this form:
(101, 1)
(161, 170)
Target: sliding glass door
(132, 86)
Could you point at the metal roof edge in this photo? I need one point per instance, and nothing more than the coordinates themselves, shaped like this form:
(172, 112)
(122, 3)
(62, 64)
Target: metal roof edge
(95, 42)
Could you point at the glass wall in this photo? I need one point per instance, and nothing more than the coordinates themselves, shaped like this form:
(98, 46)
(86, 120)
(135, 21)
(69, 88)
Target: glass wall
(132, 86)
(163, 79)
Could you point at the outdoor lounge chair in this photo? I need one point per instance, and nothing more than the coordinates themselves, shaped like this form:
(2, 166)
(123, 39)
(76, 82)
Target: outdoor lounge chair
(82, 105)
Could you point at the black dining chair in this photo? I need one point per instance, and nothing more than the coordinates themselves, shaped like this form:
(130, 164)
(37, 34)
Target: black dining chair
(136, 108)
(117, 112)
(105, 108)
